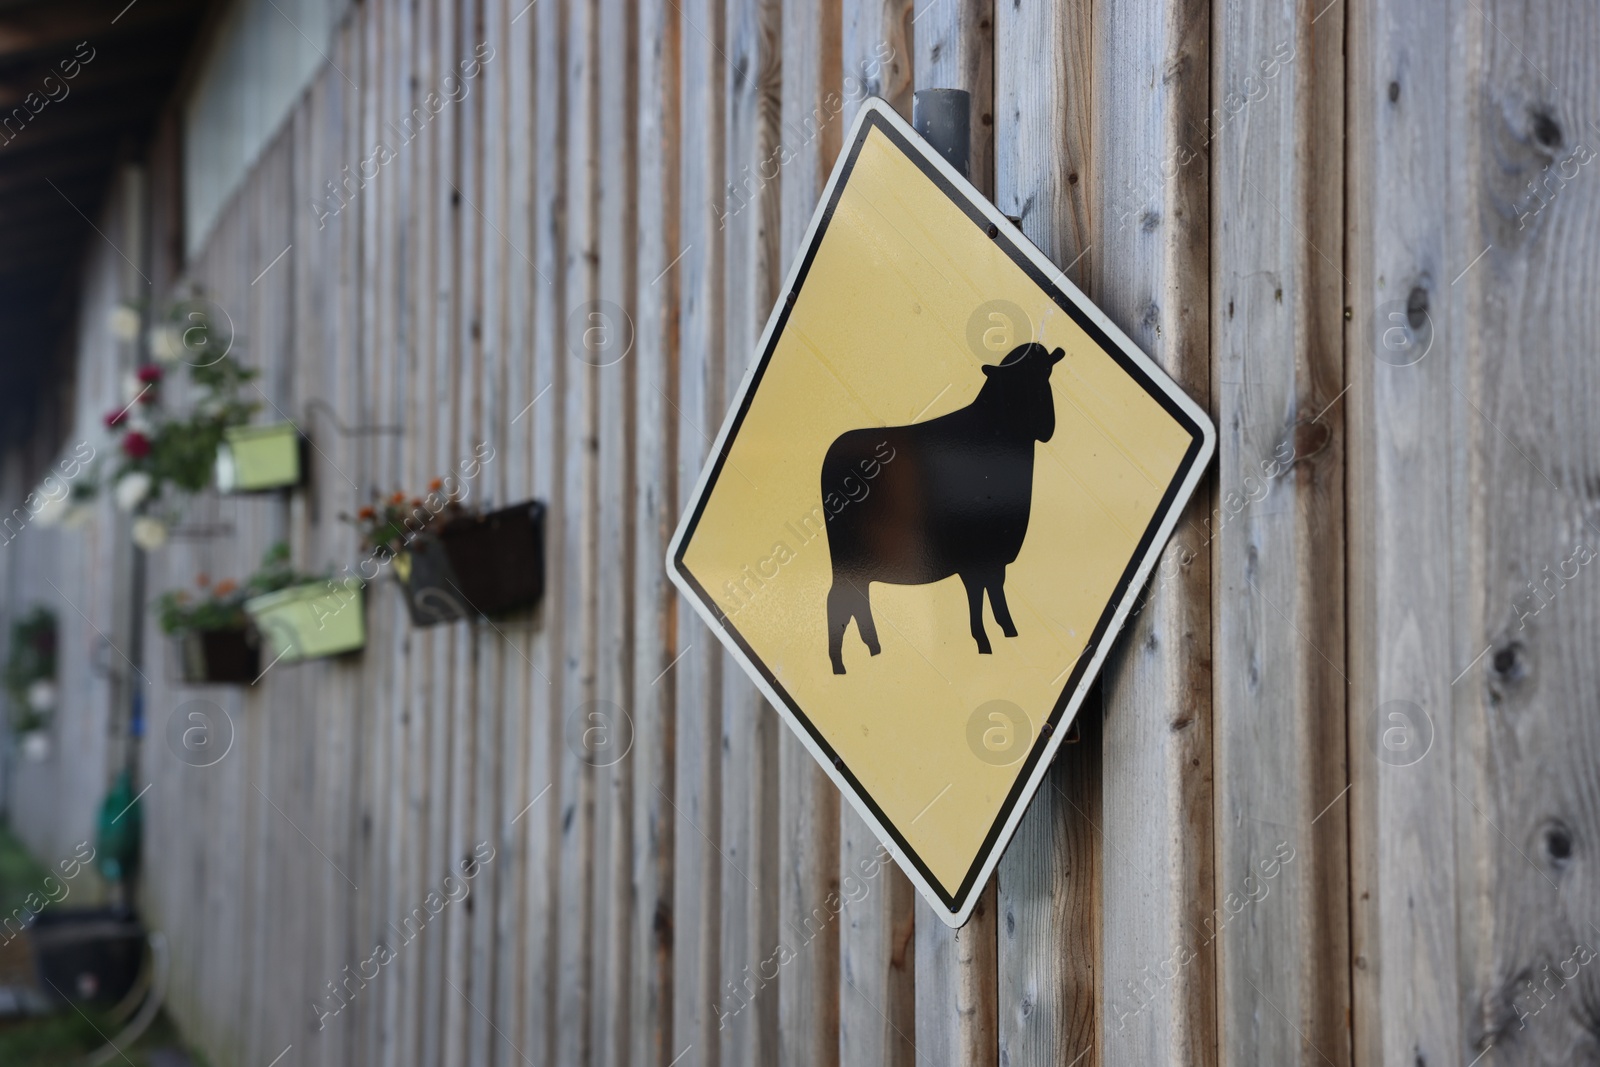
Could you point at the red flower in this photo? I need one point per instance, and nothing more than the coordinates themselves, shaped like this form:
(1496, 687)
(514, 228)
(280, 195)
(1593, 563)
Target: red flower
(136, 445)
(116, 418)
(150, 374)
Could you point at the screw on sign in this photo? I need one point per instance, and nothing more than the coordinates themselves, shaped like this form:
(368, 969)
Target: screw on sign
(996, 466)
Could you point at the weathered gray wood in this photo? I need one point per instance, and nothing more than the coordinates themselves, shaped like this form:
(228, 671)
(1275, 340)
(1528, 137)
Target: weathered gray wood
(616, 352)
(543, 407)
(1278, 358)
(1148, 270)
(656, 645)
(1405, 518)
(577, 514)
(699, 995)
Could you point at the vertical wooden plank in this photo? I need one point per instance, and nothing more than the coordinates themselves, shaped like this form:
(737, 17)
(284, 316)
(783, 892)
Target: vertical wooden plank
(660, 144)
(616, 355)
(701, 1000)
(577, 514)
(750, 728)
(877, 997)
(510, 119)
(1277, 537)
(1522, 761)
(1048, 889)
(956, 970)
(1148, 269)
(545, 819)
(1409, 370)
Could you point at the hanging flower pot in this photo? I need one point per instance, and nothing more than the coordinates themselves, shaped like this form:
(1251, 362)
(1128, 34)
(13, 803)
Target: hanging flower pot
(430, 583)
(310, 620)
(452, 561)
(258, 459)
(225, 656)
(498, 557)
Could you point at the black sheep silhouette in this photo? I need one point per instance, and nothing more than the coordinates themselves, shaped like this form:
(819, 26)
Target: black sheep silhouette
(952, 497)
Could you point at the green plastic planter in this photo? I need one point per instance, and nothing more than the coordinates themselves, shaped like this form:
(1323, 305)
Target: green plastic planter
(310, 621)
(259, 459)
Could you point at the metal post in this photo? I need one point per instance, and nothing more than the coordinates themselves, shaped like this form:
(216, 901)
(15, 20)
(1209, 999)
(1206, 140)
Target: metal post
(944, 118)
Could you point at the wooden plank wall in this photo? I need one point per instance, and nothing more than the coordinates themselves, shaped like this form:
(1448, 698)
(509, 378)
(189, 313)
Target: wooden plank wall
(1333, 803)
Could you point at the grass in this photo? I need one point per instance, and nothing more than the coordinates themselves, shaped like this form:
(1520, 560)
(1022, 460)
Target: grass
(64, 1038)
(20, 873)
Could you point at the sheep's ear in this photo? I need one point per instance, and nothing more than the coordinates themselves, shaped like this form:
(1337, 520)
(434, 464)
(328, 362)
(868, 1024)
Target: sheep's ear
(1057, 356)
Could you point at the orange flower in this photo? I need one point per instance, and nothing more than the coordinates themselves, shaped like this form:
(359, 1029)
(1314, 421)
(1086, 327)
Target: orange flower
(202, 579)
(398, 498)
(224, 587)
(436, 485)
(366, 513)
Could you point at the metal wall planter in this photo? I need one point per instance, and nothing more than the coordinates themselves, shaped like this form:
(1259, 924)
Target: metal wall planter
(260, 459)
(310, 621)
(481, 566)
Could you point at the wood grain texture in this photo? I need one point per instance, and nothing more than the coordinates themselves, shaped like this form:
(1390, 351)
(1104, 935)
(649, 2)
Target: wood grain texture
(656, 637)
(1406, 536)
(1279, 507)
(701, 997)
(1148, 270)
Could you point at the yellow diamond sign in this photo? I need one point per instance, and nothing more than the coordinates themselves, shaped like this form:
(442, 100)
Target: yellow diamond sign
(942, 484)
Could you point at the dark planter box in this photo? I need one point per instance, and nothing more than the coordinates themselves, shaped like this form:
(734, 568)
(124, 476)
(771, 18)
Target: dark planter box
(228, 656)
(87, 955)
(478, 567)
(430, 583)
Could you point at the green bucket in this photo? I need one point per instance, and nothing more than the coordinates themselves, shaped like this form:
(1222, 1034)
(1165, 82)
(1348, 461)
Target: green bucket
(310, 621)
(253, 459)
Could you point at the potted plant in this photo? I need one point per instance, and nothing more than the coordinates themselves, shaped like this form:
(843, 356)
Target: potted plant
(305, 616)
(30, 680)
(260, 459)
(211, 632)
(164, 457)
(454, 561)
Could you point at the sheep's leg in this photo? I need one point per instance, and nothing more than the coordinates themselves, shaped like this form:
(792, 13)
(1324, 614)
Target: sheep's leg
(997, 601)
(974, 585)
(839, 612)
(864, 624)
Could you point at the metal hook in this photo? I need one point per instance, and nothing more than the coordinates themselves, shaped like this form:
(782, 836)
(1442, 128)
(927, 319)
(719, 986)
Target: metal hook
(347, 431)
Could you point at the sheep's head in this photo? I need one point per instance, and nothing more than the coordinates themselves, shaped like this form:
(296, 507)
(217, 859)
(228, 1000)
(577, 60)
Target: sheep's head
(1020, 384)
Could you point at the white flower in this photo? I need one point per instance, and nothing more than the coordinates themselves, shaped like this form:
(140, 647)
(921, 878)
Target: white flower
(166, 342)
(42, 695)
(148, 533)
(54, 509)
(124, 322)
(131, 489)
(132, 388)
(36, 746)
